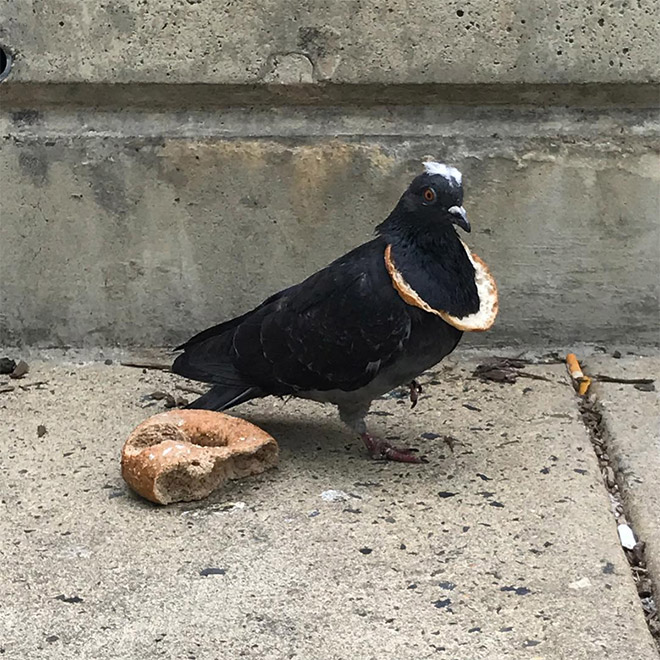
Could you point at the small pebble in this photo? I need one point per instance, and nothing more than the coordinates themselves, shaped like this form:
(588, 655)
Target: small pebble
(582, 583)
(205, 572)
(41, 431)
(334, 495)
(20, 369)
(69, 599)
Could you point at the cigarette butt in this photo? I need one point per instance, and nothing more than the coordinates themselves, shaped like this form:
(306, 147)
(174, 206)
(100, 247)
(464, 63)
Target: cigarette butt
(581, 381)
(573, 367)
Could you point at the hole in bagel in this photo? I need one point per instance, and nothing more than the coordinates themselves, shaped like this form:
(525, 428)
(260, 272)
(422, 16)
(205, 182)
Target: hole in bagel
(153, 435)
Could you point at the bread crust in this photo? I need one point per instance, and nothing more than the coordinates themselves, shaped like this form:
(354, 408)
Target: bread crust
(488, 298)
(486, 288)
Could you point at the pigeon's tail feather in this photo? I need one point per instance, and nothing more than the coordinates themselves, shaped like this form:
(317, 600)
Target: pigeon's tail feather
(209, 361)
(222, 398)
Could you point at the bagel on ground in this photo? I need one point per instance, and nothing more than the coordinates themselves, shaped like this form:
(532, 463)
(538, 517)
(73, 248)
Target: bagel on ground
(184, 455)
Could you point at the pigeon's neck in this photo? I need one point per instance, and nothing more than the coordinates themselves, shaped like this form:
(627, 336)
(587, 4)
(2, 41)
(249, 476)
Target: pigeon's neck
(433, 261)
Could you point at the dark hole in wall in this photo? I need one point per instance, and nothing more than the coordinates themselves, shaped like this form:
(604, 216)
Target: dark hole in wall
(5, 62)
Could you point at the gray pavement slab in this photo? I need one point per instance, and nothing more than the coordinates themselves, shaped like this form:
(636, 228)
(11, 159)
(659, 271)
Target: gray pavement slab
(503, 547)
(631, 420)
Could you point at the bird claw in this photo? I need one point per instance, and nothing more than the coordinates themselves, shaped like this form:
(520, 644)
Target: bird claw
(415, 391)
(381, 450)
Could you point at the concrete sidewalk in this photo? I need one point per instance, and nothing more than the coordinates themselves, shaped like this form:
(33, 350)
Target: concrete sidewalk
(503, 546)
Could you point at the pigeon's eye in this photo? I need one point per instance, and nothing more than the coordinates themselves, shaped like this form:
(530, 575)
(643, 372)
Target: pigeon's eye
(429, 195)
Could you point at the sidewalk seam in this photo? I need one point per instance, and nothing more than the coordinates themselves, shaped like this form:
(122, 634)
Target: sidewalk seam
(592, 419)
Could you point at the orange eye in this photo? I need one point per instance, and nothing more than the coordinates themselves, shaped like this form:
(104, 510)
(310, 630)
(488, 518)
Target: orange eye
(429, 195)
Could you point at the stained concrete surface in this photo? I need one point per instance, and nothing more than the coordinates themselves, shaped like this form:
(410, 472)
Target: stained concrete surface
(502, 546)
(137, 229)
(631, 423)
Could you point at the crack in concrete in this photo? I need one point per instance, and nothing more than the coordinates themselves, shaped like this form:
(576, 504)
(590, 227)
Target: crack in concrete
(593, 422)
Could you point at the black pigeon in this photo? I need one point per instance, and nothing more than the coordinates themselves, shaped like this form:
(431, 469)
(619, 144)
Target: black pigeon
(372, 320)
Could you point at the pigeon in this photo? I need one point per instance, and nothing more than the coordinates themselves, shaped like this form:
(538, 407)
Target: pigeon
(371, 321)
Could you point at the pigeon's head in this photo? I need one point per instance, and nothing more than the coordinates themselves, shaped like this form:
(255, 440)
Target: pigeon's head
(437, 195)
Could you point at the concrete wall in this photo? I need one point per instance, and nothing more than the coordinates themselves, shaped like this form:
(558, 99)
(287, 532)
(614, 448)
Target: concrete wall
(167, 164)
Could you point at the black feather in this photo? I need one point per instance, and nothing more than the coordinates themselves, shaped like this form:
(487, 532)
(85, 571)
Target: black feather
(221, 398)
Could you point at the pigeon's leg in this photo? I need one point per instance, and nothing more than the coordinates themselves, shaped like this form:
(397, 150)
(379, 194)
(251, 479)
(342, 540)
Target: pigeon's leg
(415, 391)
(378, 449)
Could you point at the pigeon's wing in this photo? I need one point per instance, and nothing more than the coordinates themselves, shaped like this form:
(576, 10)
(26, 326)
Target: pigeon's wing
(209, 355)
(225, 326)
(336, 330)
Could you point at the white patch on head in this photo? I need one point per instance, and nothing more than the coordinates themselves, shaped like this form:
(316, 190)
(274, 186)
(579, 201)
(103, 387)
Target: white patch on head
(450, 173)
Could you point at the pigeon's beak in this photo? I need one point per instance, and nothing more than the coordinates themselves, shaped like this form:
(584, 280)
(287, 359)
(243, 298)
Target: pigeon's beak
(459, 217)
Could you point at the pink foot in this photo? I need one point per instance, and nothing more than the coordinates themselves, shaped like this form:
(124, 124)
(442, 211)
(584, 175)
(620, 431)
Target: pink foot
(380, 450)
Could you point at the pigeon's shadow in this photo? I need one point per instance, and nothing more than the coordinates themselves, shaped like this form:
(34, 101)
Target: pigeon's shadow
(308, 438)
